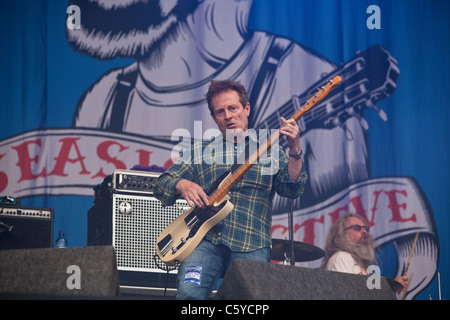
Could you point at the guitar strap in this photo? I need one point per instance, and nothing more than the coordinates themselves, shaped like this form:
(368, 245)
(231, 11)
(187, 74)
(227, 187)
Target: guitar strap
(259, 92)
(236, 165)
(126, 81)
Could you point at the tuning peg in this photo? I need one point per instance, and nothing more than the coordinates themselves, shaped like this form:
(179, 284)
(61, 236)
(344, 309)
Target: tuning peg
(383, 116)
(364, 123)
(381, 113)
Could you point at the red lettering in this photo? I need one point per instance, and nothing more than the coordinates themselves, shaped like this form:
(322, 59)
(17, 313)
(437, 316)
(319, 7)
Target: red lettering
(25, 161)
(308, 224)
(359, 209)
(375, 202)
(3, 177)
(63, 157)
(279, 226)
(395, 206)
(102, 152)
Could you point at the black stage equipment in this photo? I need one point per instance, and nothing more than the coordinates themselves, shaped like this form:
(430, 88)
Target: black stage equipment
(127, 216)
(25, 227)
(252, 280)
(59, 273)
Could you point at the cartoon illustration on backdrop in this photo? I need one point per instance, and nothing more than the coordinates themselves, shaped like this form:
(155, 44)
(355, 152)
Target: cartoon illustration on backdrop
(179, 47)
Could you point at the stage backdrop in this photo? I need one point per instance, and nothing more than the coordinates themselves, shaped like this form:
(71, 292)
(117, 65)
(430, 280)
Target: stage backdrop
(88, 87)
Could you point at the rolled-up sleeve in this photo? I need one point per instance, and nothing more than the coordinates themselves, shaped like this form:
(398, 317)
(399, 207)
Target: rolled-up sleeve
(164, 189)
(283, 183)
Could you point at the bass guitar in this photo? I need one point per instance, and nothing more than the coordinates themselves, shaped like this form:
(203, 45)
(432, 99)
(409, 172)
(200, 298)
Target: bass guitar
(184, 233)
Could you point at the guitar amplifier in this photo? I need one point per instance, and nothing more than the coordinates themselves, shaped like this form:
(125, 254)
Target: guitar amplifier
(137, 223)
(132, 221)
(126, 181)
(25, 227)
(140, 182)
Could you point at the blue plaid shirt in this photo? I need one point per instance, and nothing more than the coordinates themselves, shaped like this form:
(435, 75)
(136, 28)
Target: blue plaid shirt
(248, 225)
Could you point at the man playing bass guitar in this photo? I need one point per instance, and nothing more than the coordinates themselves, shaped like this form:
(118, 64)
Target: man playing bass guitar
(244, 233)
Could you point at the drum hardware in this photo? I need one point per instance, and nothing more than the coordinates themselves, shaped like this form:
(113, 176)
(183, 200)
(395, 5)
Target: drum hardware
(281, 251)
(290, 251)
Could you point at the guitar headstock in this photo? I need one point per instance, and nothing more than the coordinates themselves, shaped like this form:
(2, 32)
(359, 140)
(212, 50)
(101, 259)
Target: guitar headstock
(322, 92)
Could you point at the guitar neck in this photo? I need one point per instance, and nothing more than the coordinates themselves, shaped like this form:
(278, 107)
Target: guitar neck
(358, 86)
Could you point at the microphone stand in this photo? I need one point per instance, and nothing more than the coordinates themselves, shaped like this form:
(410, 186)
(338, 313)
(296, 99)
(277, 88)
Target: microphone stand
(291, 231)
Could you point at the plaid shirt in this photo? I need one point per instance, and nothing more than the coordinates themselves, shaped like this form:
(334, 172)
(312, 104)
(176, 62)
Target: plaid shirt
(248, 226)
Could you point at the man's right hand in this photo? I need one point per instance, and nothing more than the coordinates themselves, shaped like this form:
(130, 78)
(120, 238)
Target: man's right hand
(192, 193)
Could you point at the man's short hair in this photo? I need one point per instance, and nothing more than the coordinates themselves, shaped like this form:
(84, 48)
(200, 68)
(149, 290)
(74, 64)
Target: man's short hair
(219, 86)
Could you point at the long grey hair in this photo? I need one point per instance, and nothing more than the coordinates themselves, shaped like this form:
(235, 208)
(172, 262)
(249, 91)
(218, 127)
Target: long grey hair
(337, 240)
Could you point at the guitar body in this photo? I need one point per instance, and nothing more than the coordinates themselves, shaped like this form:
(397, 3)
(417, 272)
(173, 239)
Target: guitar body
(179, 239)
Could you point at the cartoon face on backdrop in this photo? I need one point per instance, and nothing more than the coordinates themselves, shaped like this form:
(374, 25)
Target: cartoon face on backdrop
(180, 46)
(129, 28)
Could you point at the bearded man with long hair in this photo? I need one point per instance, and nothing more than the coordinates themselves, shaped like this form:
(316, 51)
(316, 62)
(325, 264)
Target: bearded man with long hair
(350, 247)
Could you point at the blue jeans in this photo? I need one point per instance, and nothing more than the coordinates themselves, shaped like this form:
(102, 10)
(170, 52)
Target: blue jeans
(200, 271)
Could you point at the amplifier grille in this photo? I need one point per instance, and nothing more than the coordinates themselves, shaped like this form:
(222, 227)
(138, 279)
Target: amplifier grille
(137, 223)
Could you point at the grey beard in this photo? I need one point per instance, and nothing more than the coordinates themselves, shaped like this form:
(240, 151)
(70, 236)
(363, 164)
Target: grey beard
(364, 254)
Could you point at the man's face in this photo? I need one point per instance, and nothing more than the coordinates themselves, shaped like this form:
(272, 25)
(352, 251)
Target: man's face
(229, 114)
(355, 236)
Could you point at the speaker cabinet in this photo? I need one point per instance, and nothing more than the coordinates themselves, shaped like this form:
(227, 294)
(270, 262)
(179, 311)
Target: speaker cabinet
(251, 280)
(82, 272)
(132, 224)
(25, 227)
